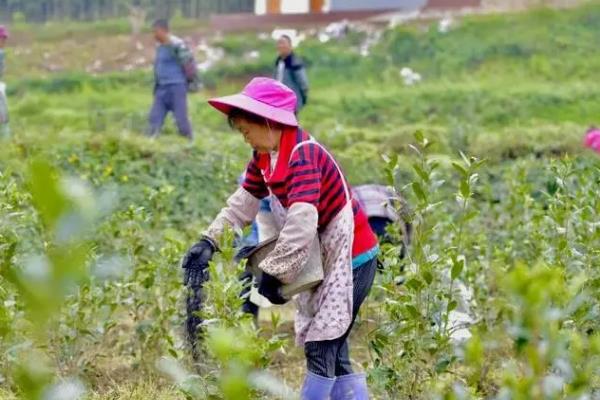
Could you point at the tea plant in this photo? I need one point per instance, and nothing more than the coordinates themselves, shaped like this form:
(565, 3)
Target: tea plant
(529, 302)
(412, 345)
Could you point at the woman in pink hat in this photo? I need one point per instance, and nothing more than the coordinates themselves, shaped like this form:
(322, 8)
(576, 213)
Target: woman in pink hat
(309, 196)
(4, 127)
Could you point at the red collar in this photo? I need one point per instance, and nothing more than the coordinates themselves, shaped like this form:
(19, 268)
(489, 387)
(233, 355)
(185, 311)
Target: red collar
(290, 137)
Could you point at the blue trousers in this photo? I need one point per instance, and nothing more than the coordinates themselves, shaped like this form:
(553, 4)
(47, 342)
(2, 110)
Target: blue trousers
(170, 98)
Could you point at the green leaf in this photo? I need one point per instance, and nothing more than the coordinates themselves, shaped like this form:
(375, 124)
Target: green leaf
(470, 215)
(465, 159)
(461, 170)
(465, 189)
(414, 284)
(389, 175)
(457, 268)
(478, 163)
(412, 310)
(442, 365)
(415, 149)
(474, 350)
(419, 136)
(422, 174)
(419, 192)
(427, 277)
(392, 161)
(46, 193)
(452, 305)
(170, 340)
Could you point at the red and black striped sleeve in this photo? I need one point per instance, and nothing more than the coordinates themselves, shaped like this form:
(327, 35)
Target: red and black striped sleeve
(304, 177)
(254, 182)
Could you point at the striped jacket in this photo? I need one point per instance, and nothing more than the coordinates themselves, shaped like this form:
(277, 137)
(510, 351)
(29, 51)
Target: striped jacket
(310, 176)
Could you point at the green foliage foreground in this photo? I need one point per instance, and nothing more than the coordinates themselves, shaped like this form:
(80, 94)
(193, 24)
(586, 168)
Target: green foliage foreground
(93, 283)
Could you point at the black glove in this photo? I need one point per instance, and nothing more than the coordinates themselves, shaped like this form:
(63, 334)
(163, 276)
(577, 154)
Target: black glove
(269, 287)
(195, 263)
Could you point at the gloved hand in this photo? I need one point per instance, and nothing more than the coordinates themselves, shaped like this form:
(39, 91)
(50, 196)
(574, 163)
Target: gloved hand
(269, 287)
(195, 262)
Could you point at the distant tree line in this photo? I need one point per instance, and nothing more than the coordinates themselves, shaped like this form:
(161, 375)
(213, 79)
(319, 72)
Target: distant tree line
(91, 10)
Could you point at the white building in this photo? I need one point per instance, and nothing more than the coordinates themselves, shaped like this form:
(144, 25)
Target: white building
(324, 6)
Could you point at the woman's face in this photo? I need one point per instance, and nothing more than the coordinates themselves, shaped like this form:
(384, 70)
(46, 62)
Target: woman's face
(259, 136)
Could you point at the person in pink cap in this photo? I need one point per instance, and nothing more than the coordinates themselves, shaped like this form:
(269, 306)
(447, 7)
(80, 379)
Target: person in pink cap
(309, 196)
(592, 139)
(4, 127)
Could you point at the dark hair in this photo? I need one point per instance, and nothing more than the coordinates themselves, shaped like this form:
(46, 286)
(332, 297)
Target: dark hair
(161, 23)
(238, 113)
(286, 37)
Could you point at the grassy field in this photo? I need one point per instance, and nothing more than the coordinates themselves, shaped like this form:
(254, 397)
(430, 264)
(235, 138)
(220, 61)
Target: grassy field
(487, 148)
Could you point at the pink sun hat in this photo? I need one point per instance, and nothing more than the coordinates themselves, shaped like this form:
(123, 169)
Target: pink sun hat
(265, 97)
(3, 32)
(592, 139)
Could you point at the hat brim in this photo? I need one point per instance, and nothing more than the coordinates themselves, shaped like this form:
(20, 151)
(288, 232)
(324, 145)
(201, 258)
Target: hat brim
(246, 103)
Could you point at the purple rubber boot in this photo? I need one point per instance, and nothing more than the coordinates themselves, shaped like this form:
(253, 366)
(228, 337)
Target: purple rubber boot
(350, 387)
(316, 387)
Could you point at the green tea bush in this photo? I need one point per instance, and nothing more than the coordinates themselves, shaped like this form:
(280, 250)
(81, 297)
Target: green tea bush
(521, 239)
